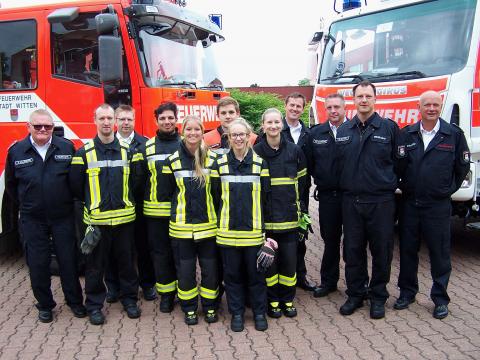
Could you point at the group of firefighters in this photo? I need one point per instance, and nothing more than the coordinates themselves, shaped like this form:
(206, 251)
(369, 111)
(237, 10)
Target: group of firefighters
(238, 203)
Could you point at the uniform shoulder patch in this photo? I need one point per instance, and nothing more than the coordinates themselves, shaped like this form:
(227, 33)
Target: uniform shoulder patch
(466, 156)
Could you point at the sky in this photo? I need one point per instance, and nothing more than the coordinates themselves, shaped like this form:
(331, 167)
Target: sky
(266, 41)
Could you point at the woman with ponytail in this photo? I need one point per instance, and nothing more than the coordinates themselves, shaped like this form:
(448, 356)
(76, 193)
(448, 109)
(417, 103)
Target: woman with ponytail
(193, 222)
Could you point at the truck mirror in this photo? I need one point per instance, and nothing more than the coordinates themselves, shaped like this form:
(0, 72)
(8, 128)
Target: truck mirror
(110, 58)
(106, 23)
(63, 15)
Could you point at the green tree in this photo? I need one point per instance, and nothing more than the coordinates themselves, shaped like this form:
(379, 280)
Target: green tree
(252, 106)
(304, 82)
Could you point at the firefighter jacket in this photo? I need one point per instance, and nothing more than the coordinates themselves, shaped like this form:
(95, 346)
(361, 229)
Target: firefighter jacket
(286, 198)
(322, 153)
(367, 159)
(40, 188)
(156, 195)
(240, 188)
(100, 176)
(438, 171)
(192, 212)
(217, 141)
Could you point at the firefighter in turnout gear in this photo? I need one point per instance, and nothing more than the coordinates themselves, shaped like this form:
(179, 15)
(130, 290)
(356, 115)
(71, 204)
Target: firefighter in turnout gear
(285, 203)
(125, 120)
(239, 182)
(193, 221)
(100, 176)
(157, 201)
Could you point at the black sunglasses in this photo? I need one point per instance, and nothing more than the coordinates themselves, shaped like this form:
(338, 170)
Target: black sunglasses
(39, 127)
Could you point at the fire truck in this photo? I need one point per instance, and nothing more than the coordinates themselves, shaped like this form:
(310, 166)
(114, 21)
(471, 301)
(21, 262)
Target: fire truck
(405, 48)
(70, 56)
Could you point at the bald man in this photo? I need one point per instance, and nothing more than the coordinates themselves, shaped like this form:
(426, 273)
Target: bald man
(437, 159)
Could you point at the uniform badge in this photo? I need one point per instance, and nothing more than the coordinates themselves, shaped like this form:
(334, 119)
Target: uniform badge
(401, 150)
(466, 156)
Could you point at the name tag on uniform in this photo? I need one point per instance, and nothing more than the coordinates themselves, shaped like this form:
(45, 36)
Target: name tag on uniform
(444, 147)
(63, 157)
(342, 139)
(23, 163)
(411, 146)
(320, 142)
(378, 137)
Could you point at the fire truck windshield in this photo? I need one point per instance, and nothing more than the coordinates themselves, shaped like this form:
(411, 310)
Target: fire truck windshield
(179, 56)
(410, 42)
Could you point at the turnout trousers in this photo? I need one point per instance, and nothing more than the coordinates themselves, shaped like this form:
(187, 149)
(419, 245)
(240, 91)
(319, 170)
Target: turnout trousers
(372, 224)
(432, 225)
(36, 235)
(116, 242)
(188, 251)
(240, 273)
(330, 218)
(281, 277)
(162, 250)
(146, 272)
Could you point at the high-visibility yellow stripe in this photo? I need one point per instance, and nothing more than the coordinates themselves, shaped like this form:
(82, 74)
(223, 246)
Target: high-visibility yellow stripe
(126, 176)
(283, 181)
(153, 174)
(301, 173)
(274, 304)
(77, 160)
(287, 281)
(166, 169)
(281, 225)
(137, 157)
(224, 214)
(208, 294)
(109, 221)
(93, 176)
(272, 280)
(157, 209)
(265, 172)
(181, 201)
(187, 295)
(227, 241)
(166, 288)
(212, 215)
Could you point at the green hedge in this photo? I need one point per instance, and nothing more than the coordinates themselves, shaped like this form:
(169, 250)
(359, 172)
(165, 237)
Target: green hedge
(252, 106)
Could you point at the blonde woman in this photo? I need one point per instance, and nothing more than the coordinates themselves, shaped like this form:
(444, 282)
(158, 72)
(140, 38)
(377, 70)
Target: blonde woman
(239, 182)
(193, 221)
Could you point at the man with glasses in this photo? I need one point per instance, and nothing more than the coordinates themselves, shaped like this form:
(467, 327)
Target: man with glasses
(125, 120)
(36, 168)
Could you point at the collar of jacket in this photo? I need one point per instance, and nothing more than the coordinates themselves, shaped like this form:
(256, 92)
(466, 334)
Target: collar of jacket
(287, 128)
(248, 159)
(374, 120)
(268, 149)
(26, 144)
(168, 136)
(114, 145)
(444, 127)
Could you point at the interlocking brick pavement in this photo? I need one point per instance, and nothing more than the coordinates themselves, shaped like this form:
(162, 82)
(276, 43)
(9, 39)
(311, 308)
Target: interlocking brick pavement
(318, 332)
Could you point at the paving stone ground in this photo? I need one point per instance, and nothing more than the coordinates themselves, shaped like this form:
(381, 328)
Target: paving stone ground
(318, 332)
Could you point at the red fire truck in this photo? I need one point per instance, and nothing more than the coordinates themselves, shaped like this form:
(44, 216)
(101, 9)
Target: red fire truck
(68, 57)
(407, 47)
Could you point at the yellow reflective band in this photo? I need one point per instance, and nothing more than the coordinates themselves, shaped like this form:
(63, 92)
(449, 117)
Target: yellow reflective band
(208, 294)
(181, 202)
(281, 226)
(224, 214)
(222, 160)
(256, 206)
(126, 177)
(272, 281)
(97, 213)
(214, 173)
(239, 242)
(176, 165)
(93, 177)
(274, 304)
(265, 172)
(109, 221)
(212, 215)
(287, 281)
(156, 209)
(240, 234)
(301, 173)
(137, 157)
(223, 169)
(166, 288)
(166, 169)
(256, 169)
(77, 160)
(283, 181)
(187, 295)
(192, 231)
(153, 173)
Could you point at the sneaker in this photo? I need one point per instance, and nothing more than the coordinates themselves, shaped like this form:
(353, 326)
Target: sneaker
(211, 316)
(274, 310)
(191, 318)
(289, 310)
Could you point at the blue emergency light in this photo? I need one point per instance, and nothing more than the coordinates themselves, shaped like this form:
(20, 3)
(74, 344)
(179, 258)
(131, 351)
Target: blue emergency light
(351, 4)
